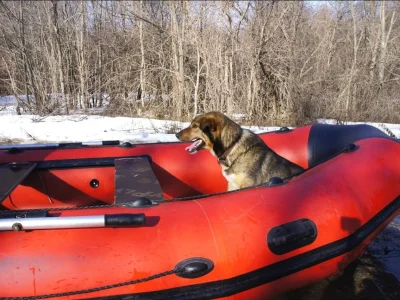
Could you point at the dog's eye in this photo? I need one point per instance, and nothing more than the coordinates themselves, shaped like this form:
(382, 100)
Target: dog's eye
(195, 126)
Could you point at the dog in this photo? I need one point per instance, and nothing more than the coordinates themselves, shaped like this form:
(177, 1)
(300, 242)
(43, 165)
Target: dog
(244, 157)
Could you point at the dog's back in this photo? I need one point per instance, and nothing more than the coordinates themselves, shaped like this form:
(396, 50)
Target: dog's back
(257, 162)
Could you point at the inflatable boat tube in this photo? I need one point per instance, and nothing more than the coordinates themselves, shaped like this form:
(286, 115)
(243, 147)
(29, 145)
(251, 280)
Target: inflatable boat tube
(151, 222)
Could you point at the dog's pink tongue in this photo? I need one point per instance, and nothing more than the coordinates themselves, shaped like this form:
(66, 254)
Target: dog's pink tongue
(192, 147)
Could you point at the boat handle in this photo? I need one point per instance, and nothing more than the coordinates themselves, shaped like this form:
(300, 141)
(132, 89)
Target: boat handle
(290, 236)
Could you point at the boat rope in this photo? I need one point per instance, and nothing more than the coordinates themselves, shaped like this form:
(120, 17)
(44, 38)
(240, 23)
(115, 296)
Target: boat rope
(97, 289)
(44, 187)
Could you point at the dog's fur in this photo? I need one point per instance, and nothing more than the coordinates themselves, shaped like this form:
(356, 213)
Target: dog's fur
(244, 157)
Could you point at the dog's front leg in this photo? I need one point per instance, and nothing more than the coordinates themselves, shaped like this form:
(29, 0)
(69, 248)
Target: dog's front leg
(246, 182)
(232, 186)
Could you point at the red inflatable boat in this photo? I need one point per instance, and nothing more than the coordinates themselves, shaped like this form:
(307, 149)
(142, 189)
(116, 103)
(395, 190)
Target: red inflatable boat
(150, 221)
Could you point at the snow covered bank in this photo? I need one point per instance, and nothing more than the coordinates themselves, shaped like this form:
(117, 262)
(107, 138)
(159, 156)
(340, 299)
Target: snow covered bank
(84, 128)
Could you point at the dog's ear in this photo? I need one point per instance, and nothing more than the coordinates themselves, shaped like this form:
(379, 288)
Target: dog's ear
(208, 125)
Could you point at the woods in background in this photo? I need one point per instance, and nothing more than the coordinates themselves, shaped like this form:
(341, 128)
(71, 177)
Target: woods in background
(274, 62)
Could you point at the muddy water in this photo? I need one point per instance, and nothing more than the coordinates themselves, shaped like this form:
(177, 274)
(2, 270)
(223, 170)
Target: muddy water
(374, 276)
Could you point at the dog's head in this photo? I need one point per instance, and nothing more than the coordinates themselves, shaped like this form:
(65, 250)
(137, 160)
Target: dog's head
(208, 131)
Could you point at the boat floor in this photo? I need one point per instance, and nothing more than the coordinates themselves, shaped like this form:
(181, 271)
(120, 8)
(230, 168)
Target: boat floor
(373, 276)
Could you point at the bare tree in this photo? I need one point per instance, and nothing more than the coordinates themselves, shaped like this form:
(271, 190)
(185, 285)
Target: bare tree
(275, 62)
(178, 12)
(384, 41)
(143, 62)
(80, 35)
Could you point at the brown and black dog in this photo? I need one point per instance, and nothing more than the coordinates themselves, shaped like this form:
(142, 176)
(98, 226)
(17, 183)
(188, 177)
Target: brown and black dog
(244, 157)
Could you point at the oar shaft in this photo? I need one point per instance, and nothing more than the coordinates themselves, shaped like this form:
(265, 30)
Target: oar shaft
(117, 220)
(60, 145)
(52, 222)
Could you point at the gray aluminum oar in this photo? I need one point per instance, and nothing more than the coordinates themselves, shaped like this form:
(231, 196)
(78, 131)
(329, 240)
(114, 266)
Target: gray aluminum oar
(26, 222)
(60, 145)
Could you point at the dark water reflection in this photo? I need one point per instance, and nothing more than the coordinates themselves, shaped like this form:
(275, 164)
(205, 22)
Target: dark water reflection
(374, 276)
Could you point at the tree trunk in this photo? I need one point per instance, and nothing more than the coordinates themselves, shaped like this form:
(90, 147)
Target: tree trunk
(196, 86)
(177, 35)
(80, 34)
(142, 64)
(384, 41)
(24, 52)
(59, 53)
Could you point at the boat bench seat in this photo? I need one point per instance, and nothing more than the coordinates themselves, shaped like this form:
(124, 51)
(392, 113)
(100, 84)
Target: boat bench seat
(11, 175)
(135, 179)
